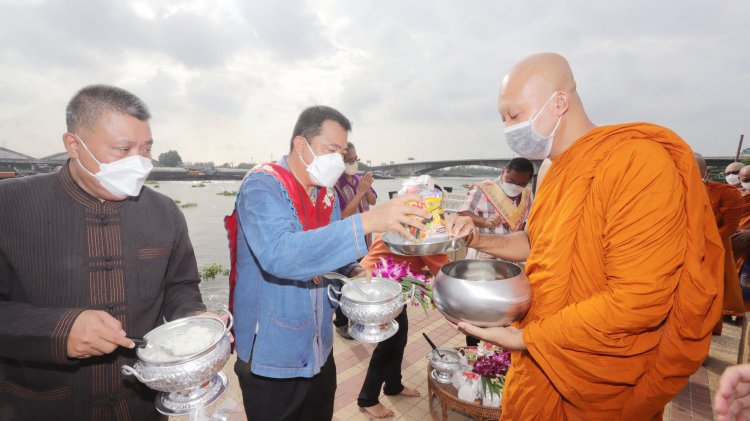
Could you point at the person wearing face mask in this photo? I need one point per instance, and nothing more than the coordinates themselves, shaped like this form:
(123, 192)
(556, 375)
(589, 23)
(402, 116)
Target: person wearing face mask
(741, 239)
(624, 261)
(732, 173)
(726, 203)
(89, 255)
(285, 234)
(501, 206)
(355, 195)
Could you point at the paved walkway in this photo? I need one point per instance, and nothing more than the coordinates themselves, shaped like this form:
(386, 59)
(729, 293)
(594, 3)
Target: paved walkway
(352, 358)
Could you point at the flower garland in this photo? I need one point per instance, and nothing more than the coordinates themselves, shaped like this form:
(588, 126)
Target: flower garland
(400, 272)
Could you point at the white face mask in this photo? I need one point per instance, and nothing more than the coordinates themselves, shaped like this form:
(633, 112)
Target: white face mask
(745, 185)
(524, 141)
(352, 168)
(512, 190)
(733, 179)
(122, 178)
(324, 170)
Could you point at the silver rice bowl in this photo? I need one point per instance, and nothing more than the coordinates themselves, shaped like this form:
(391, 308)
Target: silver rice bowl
(444, 366)
(482, 292)
(184, 371)
(383, 303)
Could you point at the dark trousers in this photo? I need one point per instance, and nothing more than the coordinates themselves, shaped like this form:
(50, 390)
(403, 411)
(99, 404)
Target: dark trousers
(385, 366)
(340, 319)
(471, 341)
(298, 398)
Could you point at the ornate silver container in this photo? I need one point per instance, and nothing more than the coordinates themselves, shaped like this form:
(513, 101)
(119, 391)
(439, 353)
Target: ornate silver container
(371, 317)
(186, 381)
(482, 292)
(444, 366)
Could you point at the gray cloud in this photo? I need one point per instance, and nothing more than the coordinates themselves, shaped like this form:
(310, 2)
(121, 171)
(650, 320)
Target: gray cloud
(417, 78)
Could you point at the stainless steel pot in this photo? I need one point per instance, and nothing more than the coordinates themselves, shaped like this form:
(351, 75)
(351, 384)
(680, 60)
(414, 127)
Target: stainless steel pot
(427, 247)
(482, 292)
(188, 371)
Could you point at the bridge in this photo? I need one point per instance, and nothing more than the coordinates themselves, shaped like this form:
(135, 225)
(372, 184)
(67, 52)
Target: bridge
(412, 168)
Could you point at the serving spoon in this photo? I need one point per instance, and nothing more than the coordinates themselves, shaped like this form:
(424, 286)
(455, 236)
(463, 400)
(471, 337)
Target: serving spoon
(349, 281)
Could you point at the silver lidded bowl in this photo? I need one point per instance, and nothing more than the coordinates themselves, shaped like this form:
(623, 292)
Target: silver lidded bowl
(427, 247)
(444, 366)
(192, 377)
(482, 292)
(371, 318)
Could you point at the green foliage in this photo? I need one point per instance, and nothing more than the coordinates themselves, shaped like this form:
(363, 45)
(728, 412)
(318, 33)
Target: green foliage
(213, 270)
(177, 201)
(227, 193)
(189, 205)
(170, 158)
(422, 291)
(198, 185)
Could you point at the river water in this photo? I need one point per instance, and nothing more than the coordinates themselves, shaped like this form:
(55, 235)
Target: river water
(206, 222)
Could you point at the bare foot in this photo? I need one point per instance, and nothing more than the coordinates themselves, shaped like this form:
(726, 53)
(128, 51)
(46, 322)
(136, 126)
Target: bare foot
(378, 411)
(409, 392)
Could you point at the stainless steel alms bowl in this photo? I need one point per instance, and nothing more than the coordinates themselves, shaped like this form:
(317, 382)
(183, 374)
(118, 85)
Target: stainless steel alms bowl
(428, 247)
(482, 292)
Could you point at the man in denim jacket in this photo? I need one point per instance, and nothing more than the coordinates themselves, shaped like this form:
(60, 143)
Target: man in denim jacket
(289, 233)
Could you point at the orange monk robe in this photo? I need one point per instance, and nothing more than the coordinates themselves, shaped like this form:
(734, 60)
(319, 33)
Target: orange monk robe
(379, 249)
(741, 252)
(626, 270)
(727, 204)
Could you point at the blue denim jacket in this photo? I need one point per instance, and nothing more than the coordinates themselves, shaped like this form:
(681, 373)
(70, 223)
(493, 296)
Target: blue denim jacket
(282, 319)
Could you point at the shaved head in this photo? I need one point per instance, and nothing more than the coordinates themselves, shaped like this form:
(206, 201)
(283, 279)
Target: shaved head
(542, 87)
(745, 174)
(701, 163)
(734, 167)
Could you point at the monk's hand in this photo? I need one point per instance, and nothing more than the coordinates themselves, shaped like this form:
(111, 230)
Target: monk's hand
(509, 338)
(740, 238)
(459, 226)
(95, 333)
(732, 399)
(395, 215)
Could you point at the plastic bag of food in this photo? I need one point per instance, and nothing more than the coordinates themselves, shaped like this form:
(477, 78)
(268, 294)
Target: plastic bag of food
(432, 202)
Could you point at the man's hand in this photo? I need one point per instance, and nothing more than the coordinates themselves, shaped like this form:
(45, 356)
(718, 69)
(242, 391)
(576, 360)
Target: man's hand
(740, 238)
(361, 272)
(493, 222)
(458, 226)
(510, 338)
(365, 182)
(732, 399)
(95, 333)
(393, 215)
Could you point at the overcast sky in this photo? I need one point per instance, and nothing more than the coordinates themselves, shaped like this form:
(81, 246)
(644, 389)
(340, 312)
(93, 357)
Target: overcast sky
(226, 79)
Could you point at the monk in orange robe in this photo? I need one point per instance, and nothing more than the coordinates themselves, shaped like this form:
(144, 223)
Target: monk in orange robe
(741, 239)
(726, 203)
(625, 265)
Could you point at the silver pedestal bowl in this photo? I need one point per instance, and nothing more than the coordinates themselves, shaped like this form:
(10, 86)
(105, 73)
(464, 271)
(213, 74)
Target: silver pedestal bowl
(191, 377)
(482, 292)
(445, 362)
(371, 317)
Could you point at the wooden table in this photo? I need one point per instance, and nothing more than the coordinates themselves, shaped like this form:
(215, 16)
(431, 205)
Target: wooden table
(447, 395)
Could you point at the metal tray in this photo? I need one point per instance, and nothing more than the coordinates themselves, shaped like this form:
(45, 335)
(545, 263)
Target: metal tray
(400, 245)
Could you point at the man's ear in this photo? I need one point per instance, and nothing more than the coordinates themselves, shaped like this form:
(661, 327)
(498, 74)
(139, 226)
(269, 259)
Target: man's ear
(562, 103)
(72, 144)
